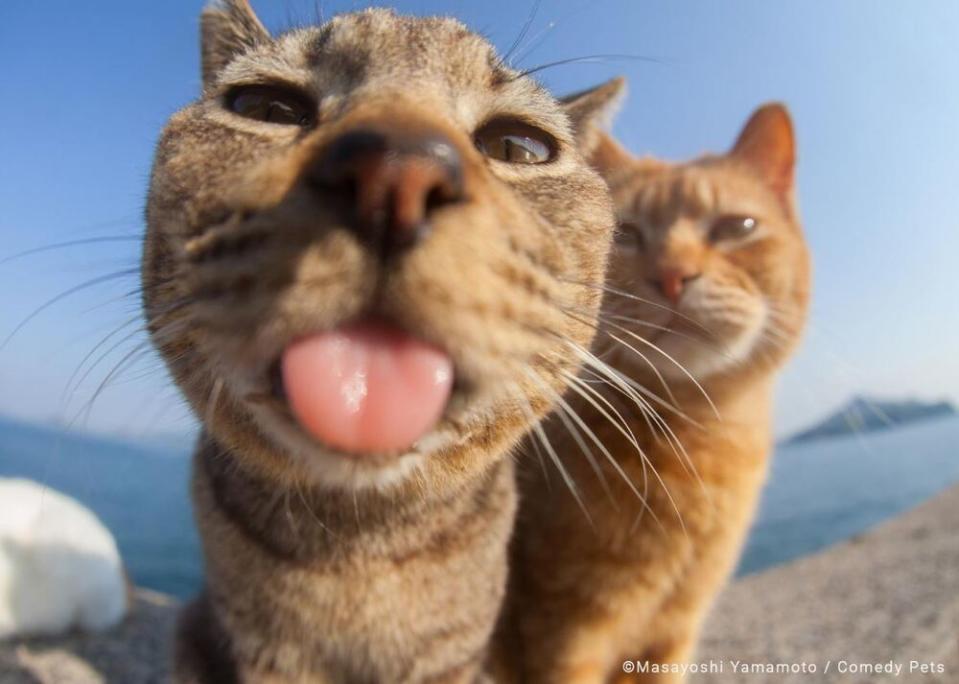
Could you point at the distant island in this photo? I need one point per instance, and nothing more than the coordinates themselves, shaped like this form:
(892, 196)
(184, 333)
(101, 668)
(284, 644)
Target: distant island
(863, 414)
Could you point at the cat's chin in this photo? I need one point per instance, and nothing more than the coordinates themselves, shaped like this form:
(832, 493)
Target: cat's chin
(334, 469)
(689, 347)
(698, 357)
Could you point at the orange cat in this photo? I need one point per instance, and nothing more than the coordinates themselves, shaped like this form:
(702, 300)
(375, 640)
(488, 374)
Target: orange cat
(706, 297)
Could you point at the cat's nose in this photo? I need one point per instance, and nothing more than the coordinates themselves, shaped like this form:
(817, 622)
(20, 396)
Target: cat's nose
(392, 182)
(672, 282)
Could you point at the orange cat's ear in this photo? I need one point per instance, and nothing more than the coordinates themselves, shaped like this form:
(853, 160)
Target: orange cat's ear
(608, 156)
(592, 110)
(768, 145)
(227, 28)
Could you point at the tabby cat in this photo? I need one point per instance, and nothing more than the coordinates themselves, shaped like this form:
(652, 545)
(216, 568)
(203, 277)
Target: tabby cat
(706, 297)
(360, 240)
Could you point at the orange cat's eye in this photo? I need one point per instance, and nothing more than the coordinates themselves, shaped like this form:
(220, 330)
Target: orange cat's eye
(515, 142)
(732, 227)
(628, 235)
(272, 104)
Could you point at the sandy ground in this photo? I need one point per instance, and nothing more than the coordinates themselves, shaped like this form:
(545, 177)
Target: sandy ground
(136, 652)
(889, 597)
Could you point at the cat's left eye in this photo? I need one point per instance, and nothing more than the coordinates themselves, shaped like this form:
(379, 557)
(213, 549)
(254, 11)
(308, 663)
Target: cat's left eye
(628, 236)
(272, 104)
(732, 227)
(515, 142)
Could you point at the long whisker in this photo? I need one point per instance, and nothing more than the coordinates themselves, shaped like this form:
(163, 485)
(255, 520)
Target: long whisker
(659, 376)
(542, 462)
(63, 295)
(675, 444)
(96, 347)
(584, 391)
(213, 400)
(564, 414)
(139, 351)
(588, 59)
(676, 363)
(605, 451)
(70, 243)
(772, 339)
(654, 326)
(648, 302)
(544, 440)
(631, 389)
(674, 408)
(165, 330)
(590, 359)
(776, 331)
(624, 384)
(309, 509)
(535, 41)
(602, 378)
(649, 363)
(523, 32)
(132, 355)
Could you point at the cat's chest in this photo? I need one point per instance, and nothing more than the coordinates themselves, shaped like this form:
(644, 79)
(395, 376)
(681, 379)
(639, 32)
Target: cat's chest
(358, 623)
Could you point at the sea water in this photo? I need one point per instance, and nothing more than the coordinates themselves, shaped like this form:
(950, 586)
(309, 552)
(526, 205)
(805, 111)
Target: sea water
(818, 492)
(824, 491)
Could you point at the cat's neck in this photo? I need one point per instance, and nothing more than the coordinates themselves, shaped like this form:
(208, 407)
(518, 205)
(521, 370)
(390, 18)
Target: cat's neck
(299, 522)
(291, 572)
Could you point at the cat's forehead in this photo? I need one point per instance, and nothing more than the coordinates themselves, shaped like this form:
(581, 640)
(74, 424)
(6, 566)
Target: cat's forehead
(701, 188)
(678, 190)
(391, 44)
(380, 51)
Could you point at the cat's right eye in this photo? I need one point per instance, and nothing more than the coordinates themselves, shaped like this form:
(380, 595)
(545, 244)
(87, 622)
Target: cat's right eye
(629, 236)
(515, 142)
(732, 227)
(272, 104)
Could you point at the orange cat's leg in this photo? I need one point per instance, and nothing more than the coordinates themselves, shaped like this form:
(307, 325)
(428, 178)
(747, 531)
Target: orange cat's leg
(678, 652)
(677, 634)
(580, 656)
(578, 631)
(581, 640)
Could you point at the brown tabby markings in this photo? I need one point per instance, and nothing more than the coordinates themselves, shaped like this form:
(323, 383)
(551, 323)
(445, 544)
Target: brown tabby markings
(321, 566)
(636, 580)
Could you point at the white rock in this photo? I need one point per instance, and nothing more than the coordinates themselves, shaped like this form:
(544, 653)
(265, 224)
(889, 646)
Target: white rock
(59, 566)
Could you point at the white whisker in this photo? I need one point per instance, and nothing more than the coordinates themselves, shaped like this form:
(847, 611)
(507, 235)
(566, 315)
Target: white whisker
(215, 393)
(675, 363)
(652, 395)
(644, 460)
(583, 389)
(710, 345)
(648, 302)
(564, 413)
(544, 440)
(628, 387)
(659, 376)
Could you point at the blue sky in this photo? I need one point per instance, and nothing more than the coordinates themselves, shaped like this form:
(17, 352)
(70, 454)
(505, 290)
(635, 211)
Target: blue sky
(874, 89)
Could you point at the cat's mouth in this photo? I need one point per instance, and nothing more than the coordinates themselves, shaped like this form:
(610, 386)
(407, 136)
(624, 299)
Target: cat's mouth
(365, 388)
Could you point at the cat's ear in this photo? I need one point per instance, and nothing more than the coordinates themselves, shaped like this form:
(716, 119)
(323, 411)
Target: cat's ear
(227, 29)
(608, 156)
(767, 143)
(590, 111)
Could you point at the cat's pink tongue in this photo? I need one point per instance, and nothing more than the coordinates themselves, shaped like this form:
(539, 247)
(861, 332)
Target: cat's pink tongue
(367, 387)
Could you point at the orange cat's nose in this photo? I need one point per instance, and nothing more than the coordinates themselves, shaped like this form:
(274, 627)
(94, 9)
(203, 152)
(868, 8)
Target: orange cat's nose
(392, 182)
(672, 282)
